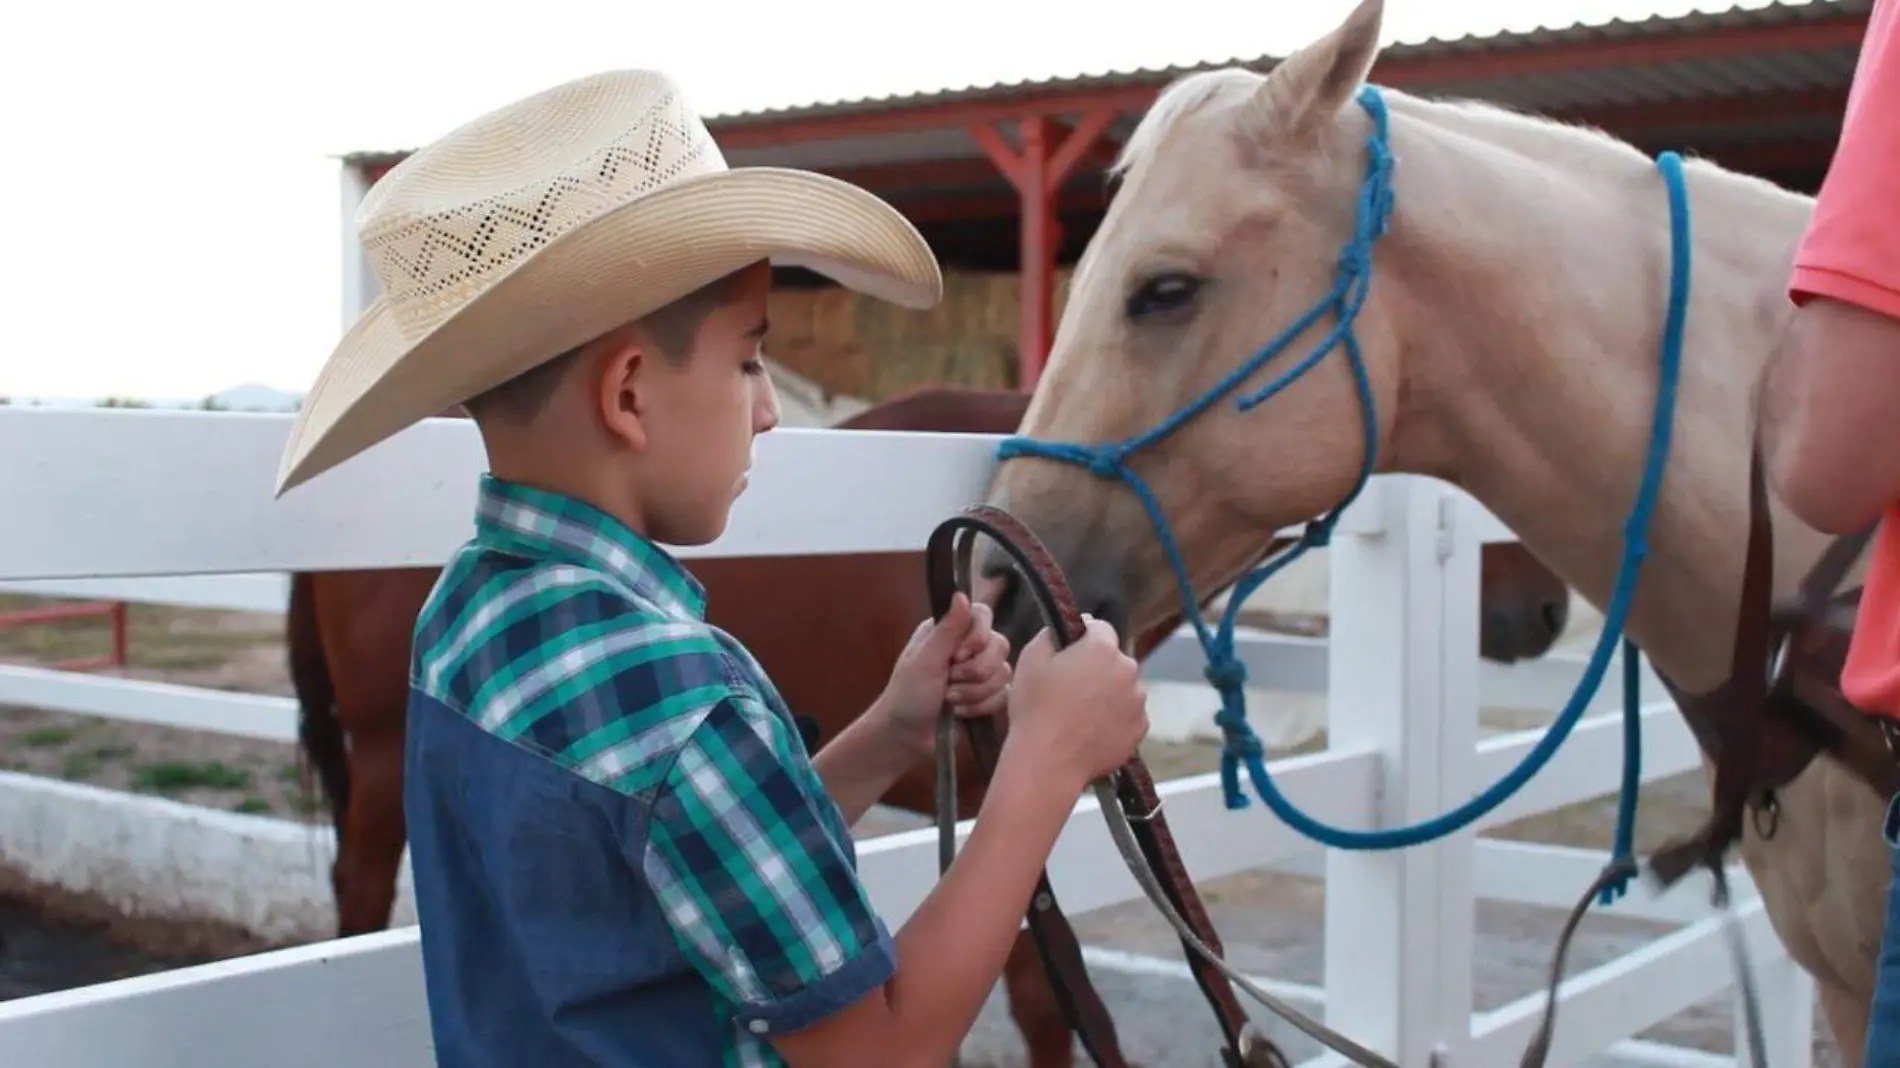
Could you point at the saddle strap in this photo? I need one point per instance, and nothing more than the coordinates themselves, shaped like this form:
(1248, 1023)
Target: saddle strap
(1779, 706)
(1741, 699)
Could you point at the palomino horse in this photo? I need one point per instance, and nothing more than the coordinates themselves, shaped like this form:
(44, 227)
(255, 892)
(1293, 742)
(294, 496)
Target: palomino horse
(1507, 342)
(349, 638)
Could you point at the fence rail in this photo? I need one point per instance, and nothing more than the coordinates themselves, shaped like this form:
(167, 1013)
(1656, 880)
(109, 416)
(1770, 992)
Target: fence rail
(110, 495)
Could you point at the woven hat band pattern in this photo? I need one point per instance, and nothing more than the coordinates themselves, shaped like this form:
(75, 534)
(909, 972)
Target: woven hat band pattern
(430, 264)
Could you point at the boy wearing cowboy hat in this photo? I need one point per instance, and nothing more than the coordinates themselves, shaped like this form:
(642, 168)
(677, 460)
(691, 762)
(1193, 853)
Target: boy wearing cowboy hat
(622, 852)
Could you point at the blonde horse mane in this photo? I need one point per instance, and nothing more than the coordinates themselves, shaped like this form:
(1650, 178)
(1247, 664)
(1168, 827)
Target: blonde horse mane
(1500, 125)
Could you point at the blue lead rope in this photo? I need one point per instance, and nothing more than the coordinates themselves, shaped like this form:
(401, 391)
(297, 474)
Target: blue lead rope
(1624, 844)
(1228, 674)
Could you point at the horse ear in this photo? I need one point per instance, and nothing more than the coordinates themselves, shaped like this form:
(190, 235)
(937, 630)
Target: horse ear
(1303, 93)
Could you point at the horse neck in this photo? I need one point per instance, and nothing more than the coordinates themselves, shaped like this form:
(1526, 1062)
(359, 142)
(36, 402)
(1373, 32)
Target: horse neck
(1528, 268)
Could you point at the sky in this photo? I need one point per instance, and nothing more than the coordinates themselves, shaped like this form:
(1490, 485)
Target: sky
(175, 222)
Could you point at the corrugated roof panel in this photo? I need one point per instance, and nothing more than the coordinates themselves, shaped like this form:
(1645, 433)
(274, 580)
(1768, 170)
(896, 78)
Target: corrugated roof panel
(1780, 12)
(1630, 84)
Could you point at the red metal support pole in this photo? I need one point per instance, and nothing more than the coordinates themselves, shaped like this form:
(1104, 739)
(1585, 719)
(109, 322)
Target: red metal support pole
(121, 642)
(66, 610)
(1037, 171)
(1036, 257)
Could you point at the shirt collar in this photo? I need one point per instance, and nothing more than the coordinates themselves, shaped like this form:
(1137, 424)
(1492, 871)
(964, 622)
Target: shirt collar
(542, 524)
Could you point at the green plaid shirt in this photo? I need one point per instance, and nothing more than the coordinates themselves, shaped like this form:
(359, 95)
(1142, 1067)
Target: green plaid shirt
(621, 850)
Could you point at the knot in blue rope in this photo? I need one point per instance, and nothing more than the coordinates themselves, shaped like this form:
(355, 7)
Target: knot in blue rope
(1355, 259)
(1379, 197)
(1636, 536)
(1239, 744)
(1226, 673)
(1105, 461)
(1237, 735)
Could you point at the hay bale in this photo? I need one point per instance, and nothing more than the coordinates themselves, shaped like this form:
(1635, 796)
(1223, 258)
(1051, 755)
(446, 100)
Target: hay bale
(867, 348)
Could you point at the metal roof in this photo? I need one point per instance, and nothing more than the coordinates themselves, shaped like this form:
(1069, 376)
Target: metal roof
(1739, 73)
(1667, 78)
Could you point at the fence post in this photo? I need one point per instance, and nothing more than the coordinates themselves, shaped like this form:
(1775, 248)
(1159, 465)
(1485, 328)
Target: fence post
(1403, 681)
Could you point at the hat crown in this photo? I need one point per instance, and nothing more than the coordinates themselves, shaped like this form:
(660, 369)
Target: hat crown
(456, 216)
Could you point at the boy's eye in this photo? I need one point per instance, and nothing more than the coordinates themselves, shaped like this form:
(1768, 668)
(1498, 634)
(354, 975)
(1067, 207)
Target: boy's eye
(754, 366)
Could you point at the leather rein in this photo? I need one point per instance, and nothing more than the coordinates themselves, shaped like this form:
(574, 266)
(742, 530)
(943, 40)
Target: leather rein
(1135, 820)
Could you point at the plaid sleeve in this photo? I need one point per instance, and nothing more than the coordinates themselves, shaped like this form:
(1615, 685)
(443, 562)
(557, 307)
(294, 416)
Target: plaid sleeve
(760, 896)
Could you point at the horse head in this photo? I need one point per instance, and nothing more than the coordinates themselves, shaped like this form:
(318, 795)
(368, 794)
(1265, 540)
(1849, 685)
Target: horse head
(1238, 193)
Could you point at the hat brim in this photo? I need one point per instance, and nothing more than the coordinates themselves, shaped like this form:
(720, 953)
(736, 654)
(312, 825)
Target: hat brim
(613, 269)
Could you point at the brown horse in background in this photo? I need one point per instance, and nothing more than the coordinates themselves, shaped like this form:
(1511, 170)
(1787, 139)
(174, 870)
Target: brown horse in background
(350, 635)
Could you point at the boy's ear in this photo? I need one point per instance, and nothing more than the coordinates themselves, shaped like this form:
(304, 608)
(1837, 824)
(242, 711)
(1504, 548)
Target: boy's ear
(621, 389)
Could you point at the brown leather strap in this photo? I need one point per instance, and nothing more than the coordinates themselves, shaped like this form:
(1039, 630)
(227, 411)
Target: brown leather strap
(947, 557)
(1135, 789)
(1781, 704)
(1779, 707)
(1735, 704)
(1054, 938)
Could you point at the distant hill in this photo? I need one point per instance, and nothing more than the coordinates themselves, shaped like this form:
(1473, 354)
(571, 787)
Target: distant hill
(802, 401)
(252, 397)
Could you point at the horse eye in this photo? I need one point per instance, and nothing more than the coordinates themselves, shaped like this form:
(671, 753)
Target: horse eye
(1163, 292)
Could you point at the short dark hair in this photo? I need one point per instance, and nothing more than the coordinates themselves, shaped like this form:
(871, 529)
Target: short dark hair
(673, 328)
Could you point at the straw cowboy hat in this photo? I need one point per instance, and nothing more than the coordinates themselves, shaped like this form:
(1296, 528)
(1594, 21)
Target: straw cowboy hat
(554, 220)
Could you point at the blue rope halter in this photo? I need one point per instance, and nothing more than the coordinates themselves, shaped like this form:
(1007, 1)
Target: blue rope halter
(1228, 673)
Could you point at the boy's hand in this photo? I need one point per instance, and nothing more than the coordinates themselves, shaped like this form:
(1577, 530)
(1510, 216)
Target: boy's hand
(959, 660)
(1083, 710)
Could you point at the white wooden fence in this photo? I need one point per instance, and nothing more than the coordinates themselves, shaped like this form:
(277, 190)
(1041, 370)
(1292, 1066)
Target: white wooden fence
(97, 495)
(1285, 671)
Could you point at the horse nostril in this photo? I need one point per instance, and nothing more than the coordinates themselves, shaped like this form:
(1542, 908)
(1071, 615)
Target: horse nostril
(1007, 587)
(1109, 611)
(1555, 615)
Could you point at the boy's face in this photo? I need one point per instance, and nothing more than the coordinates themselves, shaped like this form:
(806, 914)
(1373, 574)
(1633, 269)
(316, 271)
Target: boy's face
(698, 417)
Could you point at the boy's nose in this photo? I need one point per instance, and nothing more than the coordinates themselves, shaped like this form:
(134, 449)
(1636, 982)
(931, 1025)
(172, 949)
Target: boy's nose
(767, 410)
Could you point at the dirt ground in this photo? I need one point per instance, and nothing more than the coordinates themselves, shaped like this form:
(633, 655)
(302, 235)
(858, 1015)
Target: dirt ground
(237, 651)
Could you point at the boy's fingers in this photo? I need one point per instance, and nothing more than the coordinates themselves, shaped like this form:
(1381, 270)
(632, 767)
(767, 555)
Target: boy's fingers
(949, 631)
(990, 658)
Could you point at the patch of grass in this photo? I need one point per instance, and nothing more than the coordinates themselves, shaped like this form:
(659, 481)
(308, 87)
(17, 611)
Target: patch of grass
(47, 737)
(80, 767)
(175, 776)
(252, 805)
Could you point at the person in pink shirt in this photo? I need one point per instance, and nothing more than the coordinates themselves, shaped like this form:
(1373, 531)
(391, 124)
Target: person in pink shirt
(1831, 426)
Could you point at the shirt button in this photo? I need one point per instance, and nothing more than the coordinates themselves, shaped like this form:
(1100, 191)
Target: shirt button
(758, 1026)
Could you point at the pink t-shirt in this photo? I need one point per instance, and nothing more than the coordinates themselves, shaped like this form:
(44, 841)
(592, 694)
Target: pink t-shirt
(1851, 253)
